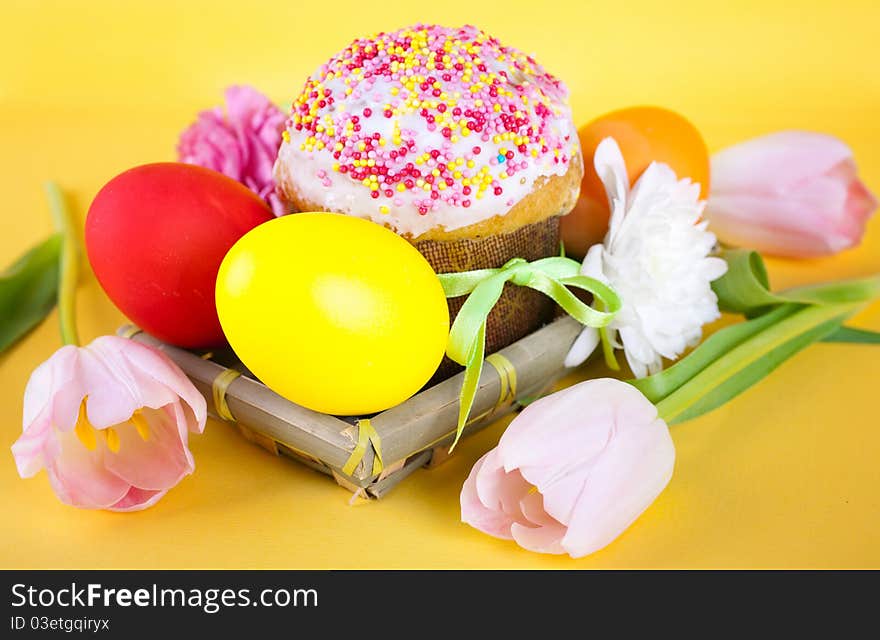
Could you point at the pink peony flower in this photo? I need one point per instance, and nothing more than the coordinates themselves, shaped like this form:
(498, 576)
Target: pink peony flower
(242, 143)
(109, 422)
(572, 471)
(792, 193)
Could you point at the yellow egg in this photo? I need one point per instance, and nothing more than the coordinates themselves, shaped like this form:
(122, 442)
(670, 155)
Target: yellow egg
(335, 313)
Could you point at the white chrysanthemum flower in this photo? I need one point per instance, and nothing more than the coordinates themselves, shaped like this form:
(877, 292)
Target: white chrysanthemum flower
(656, 257)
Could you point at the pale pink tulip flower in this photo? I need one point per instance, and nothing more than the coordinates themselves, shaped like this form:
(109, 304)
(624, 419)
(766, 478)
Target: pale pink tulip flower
(572, 471)
(110, 423)
(792, 193)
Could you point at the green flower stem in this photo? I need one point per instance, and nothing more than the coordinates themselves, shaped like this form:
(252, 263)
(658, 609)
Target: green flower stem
(69, 264)
(859, 290)
(750, 353)
(745, 288)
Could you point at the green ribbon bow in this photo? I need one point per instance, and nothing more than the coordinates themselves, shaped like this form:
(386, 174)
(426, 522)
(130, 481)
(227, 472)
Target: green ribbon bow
(550, 276)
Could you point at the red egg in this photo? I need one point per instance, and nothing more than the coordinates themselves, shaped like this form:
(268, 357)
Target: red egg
(155, 236)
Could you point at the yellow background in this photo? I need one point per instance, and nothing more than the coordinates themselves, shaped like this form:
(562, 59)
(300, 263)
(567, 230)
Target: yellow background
(787, 475)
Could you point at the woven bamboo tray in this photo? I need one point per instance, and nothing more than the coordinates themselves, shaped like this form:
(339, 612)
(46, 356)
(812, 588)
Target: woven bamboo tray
(414, 434)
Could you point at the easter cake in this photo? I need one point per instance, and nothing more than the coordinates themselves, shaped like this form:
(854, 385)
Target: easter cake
(462, 145)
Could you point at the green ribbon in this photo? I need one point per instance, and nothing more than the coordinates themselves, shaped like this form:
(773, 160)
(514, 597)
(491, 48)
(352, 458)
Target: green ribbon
(550, 276)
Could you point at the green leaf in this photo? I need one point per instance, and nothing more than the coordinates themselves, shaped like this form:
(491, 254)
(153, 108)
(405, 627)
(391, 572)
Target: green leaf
(845, 292)
(757, 348)
(28, 290)
(662, 384)
(745, 288)
(781, 324)
(759, 369)
(854, 336)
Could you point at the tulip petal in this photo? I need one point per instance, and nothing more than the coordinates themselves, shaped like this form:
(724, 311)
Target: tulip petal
(37, 446)
(52, 399)
(163, 370)
(801, 224)
(582, 419)
(138, 499)
(860, 206)
(499, 490)
(632, 472)
(793, 194)
(532, 508)
(80, 478)
(475, 513)
(112, 378)
(585, 462)
(113, 390)
(124, 376)
(55, 372)
(773, 163)
(160, 461)
(539, 539)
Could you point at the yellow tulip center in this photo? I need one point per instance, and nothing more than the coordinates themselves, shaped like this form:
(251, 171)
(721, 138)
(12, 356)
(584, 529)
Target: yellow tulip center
(88, 435)
(140, 423)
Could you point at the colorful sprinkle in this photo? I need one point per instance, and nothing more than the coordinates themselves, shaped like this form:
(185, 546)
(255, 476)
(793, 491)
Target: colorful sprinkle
(442, 89)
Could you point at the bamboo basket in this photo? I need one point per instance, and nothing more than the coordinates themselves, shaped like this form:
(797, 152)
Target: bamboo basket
(414, 434)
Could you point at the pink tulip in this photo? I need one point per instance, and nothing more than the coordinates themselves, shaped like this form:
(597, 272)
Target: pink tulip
(109, 422)
(241, 142)
(572, 471)
(792, 193)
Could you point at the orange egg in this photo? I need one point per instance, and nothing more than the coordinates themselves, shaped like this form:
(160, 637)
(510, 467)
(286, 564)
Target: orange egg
(645, 135)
